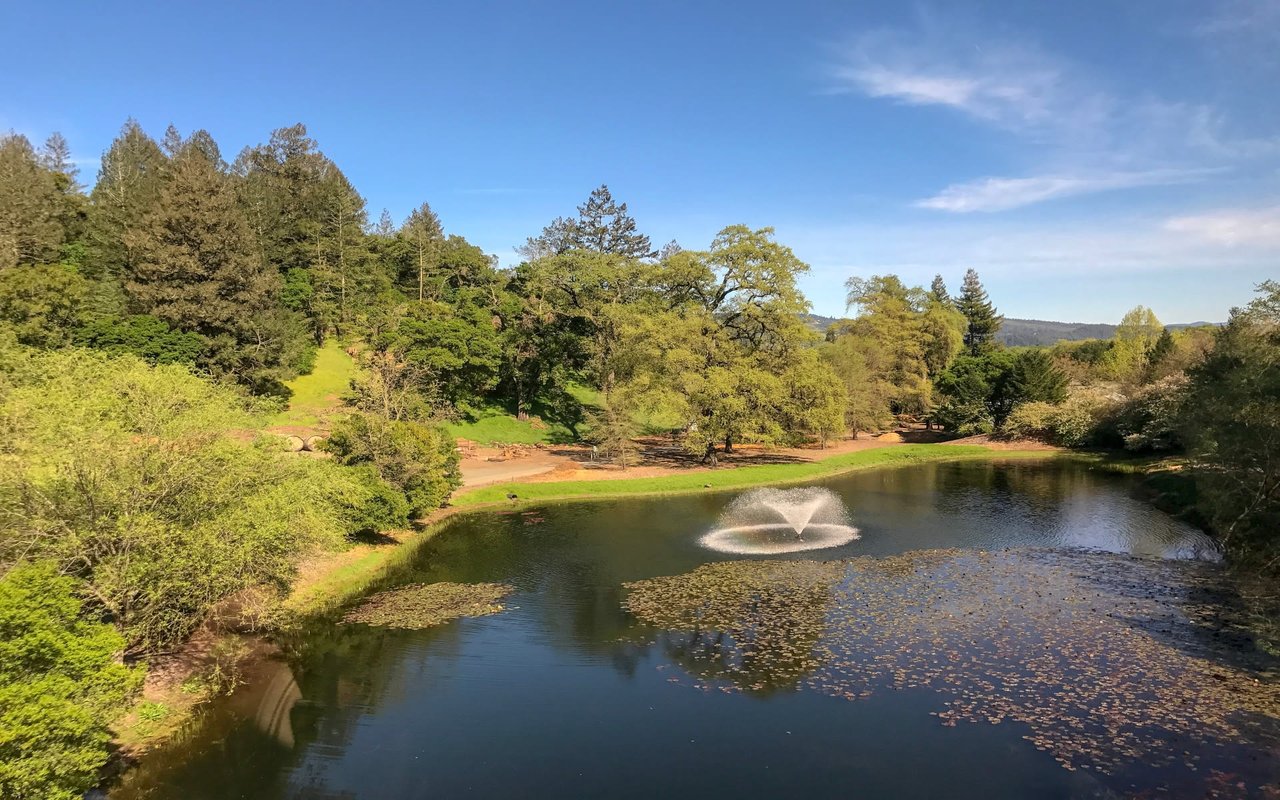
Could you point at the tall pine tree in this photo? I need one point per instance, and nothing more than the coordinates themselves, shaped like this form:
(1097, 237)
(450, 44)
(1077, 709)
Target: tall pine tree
(938, 290)
(197, 269)
(605, 227)
(983, 321)
(127, 189)
(30, 206)
(425, 237)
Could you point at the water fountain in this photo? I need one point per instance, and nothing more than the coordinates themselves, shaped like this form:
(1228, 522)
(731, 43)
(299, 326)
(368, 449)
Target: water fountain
(770, 521)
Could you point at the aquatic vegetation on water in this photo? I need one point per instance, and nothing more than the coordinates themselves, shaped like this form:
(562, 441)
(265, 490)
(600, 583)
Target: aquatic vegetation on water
(427, 604)
(1113, 663)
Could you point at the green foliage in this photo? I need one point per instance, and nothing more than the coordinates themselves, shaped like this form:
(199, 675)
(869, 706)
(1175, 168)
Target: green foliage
(602, 226)
(197, 270)
(1036, 378)
(813, 400)
(1231, 424)
(144, 336)
(1135, 338)
(419, 459)
(1032, 420)
(42, 304)
(1149, 420)
(979, 392)
(983, 321)
(30, 205)
(857, 362)
(380, 506)
(127, 189)
(125, 476)
(61, 684)
(456, 349)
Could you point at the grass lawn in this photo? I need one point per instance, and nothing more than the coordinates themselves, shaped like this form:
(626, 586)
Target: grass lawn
(740, 477)
(315, 393)
(495, 426)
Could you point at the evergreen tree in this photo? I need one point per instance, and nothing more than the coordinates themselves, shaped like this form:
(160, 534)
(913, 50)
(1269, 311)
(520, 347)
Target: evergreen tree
(602, 226)
(605, 227)
(30, 206)
(127, 188)
(1161, 351)
(1036, 378)
(55, 156)
(196, 268)
(385, 227)
(938, 290)
(425, 236)
(983, 322)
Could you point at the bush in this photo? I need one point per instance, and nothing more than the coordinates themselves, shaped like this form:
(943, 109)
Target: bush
(41, 304)
(380, 507)
(964, 418)
(60, 686)
(1075, 422)
(1032, 420)
(421, 460)
(1148, 421)
(125, 475)
(144, 336)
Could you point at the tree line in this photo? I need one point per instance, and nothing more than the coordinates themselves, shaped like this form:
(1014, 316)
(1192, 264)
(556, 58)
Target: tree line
(149, 322)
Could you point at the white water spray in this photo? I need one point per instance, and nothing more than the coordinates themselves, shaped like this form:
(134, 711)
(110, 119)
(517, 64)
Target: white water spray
(768, 521)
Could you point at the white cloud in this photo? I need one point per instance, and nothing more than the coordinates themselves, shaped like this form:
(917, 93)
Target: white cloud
(1233, 228)
(1137, 244)
(913, 89)
(1000, 194)
(1086, 137)
(1011, 86)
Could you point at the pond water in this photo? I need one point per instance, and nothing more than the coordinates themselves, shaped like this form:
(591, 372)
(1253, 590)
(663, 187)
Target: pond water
(633, 661)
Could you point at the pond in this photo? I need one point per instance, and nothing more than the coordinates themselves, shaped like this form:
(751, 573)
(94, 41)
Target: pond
(920, 659)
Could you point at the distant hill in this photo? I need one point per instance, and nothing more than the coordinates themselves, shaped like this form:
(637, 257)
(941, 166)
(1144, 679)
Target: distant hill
(1024, 332)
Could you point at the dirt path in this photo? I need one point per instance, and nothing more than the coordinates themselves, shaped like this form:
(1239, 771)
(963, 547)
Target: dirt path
(658, 457)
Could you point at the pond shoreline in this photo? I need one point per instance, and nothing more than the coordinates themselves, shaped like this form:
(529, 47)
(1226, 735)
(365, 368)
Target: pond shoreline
(335, 580)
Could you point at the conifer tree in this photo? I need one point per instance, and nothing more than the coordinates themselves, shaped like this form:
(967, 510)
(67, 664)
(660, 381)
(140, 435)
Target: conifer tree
(938, 290)
(127, 188)
(983, 321)
(30, 204)
(55, 156)
(605, 227)
(196, 268)
(425, 236)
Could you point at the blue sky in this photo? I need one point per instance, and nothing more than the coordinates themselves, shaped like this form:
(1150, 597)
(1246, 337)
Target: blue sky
(1084, 157)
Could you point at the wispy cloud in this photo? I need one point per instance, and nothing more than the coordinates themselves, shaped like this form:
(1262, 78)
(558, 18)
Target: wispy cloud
(1012, 86)
(1001, 194)
(1087, 137)
(1234, 227)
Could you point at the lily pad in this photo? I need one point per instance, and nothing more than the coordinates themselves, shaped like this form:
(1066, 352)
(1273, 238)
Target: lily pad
(425, 605)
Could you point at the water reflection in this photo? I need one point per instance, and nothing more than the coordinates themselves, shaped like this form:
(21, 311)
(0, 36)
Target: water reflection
(566, 693)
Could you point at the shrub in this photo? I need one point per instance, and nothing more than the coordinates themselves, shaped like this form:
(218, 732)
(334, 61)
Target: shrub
(60, 685)
(1149, 420)
(125, 475)
(144, 336)
(1034, 420)
(1075, 422)
(42, 304)
(380, 507)
(421, 460)
(964, 418)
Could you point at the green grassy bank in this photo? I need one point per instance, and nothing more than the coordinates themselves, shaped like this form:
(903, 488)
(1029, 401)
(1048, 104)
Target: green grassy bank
(739, 477)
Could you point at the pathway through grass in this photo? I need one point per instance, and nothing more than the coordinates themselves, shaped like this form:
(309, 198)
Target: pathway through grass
(317, 394)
